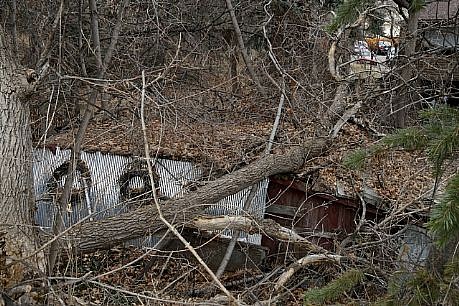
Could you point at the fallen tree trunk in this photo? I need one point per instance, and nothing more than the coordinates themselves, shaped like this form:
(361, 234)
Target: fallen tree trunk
(105, 233)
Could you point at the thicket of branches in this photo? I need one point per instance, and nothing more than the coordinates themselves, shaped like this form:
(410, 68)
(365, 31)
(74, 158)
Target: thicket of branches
(185, 61)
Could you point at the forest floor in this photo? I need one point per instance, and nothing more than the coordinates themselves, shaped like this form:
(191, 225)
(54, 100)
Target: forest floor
(130, 276)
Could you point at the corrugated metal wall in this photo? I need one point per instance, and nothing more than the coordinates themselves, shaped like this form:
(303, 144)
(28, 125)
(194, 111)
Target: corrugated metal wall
(102, 197)
(233, 204)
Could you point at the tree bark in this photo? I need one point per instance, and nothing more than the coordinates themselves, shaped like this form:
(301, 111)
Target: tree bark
(114, 230)
(403, 100)
(16, 184)
(14, 31)
(267, 226)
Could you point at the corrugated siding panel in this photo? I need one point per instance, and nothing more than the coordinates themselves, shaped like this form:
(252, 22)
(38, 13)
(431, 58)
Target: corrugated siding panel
(104, 192)
(174, 175)
(233, 205)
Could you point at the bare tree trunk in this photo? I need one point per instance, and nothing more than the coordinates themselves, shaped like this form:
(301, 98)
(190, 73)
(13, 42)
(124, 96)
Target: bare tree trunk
(114, 230)
(14, 31)
(230, 39)
(336, 110)
(403, 100)
(16, 184)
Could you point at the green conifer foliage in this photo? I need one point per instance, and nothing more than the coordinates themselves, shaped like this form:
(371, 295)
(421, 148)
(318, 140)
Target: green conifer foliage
(417, 5)
(335, 289)
(439, 137)
(444, 220)
(356, 160)
(348, 12)
(411, 138)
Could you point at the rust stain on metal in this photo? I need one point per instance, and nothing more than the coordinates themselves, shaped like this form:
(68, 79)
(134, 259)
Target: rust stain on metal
(316, 215)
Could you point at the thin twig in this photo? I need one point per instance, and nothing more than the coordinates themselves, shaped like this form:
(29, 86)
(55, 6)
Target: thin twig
(76, 151)
(156, 200)
(236, 233)
(243, 49)
(254, 189)
(133, 261)
(103, 285)
(49, 43)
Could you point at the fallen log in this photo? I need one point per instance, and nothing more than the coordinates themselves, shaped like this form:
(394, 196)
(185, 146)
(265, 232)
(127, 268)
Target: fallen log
(111, 231)
(268, 227)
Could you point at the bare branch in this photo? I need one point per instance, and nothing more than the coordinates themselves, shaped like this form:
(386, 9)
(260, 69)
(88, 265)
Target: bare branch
(158, 206)
(307, 260)
(95, 34)
(251, 226)
(243, 49)
(76, 151)
(47, 49)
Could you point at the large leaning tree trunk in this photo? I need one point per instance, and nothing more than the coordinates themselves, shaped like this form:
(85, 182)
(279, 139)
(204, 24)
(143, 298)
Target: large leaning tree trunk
(114, 230)
(18, 238)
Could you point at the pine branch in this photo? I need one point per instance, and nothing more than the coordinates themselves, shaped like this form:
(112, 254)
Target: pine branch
(417, 5)
(409, 139)
(356, 159)
(444, 220)
(334, 289)
(347, 13)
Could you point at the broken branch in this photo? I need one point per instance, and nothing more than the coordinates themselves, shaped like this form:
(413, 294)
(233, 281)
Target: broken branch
(307, 260)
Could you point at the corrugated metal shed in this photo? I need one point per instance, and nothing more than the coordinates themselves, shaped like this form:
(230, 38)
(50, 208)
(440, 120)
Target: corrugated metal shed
(316, 215)
(99, 192)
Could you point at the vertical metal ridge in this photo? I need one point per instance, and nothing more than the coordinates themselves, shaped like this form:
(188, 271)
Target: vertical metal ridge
(104, 192)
